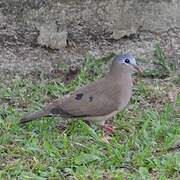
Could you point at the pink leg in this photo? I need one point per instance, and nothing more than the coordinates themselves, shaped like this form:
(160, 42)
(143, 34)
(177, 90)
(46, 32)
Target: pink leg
(108, 128)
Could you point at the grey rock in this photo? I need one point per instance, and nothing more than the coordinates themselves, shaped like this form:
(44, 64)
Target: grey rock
(50, 36)
(77, 28)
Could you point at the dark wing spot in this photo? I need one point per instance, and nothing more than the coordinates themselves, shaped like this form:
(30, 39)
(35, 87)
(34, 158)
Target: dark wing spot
(56, 111)
(60, 112)
(79, 96)
(91, 98)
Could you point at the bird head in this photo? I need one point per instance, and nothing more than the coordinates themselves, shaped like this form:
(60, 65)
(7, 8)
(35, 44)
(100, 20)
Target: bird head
(128, 62)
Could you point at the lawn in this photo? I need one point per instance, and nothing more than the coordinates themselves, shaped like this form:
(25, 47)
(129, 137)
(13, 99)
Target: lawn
(146, 143)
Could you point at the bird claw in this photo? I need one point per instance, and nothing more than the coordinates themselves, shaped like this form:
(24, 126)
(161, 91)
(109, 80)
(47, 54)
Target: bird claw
(108, 128)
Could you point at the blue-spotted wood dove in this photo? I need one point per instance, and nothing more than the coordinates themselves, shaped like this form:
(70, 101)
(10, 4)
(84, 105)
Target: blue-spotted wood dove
(99, 100)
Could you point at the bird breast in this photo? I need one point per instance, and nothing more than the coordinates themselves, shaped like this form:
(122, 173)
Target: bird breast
(125, 92)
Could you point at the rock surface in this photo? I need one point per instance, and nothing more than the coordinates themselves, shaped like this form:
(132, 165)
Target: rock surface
(80, 27)
(49, 36)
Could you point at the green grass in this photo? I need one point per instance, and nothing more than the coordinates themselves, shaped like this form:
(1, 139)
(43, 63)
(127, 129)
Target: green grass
(142, 147)
(163, 67)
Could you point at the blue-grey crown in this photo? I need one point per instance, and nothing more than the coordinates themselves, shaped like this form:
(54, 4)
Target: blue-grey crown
(126, 58)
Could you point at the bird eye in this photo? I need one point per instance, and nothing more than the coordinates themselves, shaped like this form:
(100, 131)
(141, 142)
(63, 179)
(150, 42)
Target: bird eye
(127, 61)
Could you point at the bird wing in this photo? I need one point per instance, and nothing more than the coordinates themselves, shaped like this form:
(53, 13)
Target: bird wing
(97, 99)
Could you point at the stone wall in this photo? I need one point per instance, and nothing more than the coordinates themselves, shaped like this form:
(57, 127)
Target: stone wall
(38, 35)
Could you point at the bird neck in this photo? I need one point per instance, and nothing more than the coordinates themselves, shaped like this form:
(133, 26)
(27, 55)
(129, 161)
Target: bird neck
(119, 71)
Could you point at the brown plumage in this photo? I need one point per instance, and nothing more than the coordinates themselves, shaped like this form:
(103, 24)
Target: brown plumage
(98, 101)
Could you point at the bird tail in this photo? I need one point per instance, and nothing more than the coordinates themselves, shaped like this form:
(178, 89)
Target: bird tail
(33, 116)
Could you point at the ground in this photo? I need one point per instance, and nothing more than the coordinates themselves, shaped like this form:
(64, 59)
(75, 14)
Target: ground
(92, 27)
(145, 144)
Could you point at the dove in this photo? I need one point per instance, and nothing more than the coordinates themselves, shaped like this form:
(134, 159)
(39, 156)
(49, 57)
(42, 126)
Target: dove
(98, 101)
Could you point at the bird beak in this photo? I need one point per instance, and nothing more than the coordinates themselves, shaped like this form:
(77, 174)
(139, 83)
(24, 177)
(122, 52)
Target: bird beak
(138, 69)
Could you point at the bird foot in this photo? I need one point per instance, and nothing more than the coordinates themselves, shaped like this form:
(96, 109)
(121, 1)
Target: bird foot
(108, 128)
